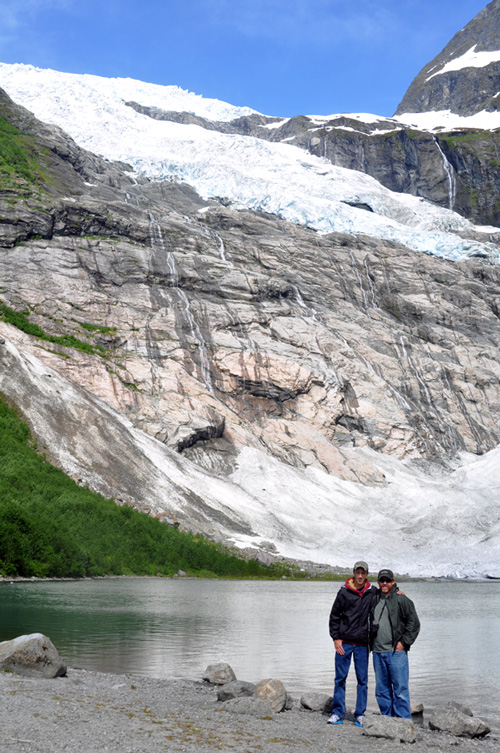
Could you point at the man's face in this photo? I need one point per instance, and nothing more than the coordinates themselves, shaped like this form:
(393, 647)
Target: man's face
(360, 577)
(386, 585)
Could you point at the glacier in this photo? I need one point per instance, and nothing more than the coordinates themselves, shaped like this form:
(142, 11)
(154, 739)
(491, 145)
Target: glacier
(272, 177)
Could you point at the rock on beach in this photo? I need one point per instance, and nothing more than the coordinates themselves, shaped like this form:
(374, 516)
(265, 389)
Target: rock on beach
(456, 722)
(93, 712)
(32, 656)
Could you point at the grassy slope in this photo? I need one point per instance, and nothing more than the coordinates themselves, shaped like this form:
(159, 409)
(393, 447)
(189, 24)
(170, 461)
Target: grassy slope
(51, 527)
(19, 167)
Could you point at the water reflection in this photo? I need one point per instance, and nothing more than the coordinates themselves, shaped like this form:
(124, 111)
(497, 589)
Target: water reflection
(174, 628)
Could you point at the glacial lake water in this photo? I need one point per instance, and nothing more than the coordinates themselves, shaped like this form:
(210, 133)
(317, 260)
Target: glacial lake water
(175, 628)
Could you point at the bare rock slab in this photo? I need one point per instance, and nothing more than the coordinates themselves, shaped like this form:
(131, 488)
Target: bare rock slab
(390, 728)
(452, 720)
(31, 656)
(274, 692)
(219, 674)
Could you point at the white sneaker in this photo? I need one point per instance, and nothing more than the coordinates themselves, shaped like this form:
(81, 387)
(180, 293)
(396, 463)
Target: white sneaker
(334, 719)
(358, 721)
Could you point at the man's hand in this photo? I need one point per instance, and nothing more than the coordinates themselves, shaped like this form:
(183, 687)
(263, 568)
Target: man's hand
(339, 649)
(399, 646)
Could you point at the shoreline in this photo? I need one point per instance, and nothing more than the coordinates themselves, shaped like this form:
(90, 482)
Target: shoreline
(336, 578)
(94, 712)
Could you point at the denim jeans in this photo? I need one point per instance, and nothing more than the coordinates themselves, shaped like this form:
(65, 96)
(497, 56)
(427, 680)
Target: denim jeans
(391, 683)
(342, 665)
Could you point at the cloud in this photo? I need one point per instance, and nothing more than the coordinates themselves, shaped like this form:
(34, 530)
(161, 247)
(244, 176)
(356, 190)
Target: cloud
(14, 14)
(301, 22)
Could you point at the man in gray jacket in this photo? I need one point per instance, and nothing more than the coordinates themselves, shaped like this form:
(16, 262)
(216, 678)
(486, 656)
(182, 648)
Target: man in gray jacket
(394, 626)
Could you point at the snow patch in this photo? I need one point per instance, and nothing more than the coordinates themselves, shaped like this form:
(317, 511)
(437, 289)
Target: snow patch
(470, 59)
(445, 120)
(453, 529)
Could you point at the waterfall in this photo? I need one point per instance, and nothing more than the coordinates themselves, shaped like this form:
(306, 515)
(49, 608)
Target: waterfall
(302, 303)
(222, 249)
(450, 174)
(158, 244)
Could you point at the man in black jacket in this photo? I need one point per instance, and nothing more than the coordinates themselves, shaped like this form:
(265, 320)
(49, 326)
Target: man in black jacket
(394, 626)
(349, 630)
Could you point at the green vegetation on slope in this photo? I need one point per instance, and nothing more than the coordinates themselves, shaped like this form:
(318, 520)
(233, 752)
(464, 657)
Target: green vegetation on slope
(51, 527)
(21, 321)
(18, 164)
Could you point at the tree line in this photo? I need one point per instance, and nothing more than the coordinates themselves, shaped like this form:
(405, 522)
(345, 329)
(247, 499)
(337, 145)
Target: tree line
(52, 527)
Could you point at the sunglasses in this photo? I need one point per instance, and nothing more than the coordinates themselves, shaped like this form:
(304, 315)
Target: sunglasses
(385, 580)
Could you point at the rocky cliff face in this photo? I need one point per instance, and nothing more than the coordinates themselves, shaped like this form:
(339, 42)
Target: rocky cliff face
(215, 328)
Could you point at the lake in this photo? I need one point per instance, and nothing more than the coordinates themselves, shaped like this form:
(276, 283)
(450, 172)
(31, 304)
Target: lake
(174, 628)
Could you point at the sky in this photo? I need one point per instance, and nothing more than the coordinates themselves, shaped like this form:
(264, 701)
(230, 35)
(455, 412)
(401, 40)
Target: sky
(279, 57)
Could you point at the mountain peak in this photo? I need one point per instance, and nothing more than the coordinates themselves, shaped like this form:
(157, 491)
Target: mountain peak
(465, 77)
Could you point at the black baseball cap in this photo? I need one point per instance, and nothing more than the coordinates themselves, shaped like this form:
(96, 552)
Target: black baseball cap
(385, 574)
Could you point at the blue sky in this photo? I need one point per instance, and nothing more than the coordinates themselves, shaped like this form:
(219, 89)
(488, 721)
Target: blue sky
(280, 57)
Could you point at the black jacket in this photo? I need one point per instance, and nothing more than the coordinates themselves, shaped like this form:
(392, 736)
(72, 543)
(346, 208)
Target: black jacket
(403, 617)
(349, 613)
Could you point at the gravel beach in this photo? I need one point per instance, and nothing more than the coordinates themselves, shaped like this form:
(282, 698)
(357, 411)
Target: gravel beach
(92, 712)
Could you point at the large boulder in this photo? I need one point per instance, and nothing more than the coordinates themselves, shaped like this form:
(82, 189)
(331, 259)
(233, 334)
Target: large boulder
(219, 674)
(273, 691)
(452, 720)
(235, 689)
(390, 728)
(316, 701)
(31, 656)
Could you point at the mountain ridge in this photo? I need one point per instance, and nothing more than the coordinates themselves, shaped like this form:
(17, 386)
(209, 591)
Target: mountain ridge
(469, 89)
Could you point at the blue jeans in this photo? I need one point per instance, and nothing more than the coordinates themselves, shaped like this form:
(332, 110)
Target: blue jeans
(342, 665)
(391, 683)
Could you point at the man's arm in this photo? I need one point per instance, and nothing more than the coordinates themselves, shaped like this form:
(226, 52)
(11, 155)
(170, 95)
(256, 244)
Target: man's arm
(412, 625)
(335, 614)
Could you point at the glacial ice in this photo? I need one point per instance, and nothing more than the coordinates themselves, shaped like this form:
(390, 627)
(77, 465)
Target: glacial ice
(277, 178)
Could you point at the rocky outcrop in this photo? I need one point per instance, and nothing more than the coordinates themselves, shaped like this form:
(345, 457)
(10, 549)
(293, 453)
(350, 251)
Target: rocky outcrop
(268, 345)
(469, 89)
(226, 314)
